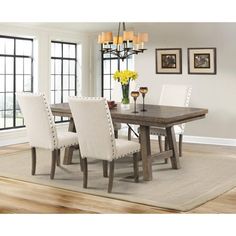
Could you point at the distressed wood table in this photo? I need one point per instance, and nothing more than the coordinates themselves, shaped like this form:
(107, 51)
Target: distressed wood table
(159, 116)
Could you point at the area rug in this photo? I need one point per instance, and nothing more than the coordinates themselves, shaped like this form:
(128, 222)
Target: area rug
(201, 178)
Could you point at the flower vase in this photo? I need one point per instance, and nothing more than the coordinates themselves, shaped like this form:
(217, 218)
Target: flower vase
(125, 96)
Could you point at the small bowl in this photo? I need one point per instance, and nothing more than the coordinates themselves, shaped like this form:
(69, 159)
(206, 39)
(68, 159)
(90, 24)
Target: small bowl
(111, 104)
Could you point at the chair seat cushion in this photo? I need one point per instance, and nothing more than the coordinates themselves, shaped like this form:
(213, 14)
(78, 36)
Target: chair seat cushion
(162, 131)
(125, 147)
(117, 126)
(66, 139)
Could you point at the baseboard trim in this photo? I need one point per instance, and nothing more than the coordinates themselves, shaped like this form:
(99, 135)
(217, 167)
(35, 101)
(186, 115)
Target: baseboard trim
(13, 136)
(204, 140)
(196, 139)
(209, 140)
(16, 136)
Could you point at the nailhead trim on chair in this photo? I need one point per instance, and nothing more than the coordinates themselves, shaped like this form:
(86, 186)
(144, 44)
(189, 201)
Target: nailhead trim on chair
(50, 117)
(182, 126)
(51, 122)
(52, 125)
(126, 154)
(153, 129)
(189, 92)
(112, 134)
(111, 129)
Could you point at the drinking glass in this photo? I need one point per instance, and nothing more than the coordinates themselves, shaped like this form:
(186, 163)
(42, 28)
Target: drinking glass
(135, 95)
(143, 91)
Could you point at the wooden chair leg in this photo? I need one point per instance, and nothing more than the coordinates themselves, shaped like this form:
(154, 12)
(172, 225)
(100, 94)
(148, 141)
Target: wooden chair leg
(116, 133)
(166, 144)
(111, 175)
(166, 148)
(81, 163)
(136, 170)
(68, 155)
(58, 157)
(85, 173)
(180, 144)
(33, 154)
(80, 158)
(105, 168)
(129, 133)
(160, 144)
(53, 165)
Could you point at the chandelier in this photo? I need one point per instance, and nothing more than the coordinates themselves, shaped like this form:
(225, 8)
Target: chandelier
(123, 45)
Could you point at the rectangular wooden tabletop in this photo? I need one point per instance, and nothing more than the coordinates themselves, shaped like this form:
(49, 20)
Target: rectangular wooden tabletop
(161, 116)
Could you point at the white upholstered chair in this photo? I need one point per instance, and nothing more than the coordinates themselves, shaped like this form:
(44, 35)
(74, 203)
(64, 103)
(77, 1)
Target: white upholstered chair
(173, 95)
(41, 128)
(96, 136)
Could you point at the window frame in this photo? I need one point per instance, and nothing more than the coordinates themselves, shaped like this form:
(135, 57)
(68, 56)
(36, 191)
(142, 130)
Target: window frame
(14, 56)
(111, 58)
(62, 59)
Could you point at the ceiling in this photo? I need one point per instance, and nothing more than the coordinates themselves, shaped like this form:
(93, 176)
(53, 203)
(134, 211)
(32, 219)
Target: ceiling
(97, 27)
(87, 27)
(79, 26)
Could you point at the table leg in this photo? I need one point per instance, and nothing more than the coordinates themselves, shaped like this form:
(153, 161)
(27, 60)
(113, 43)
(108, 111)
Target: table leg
(146, 152)
(69, 151)
(173, 146)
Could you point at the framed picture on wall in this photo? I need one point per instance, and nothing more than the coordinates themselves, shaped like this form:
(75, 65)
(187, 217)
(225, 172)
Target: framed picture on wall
(168, 61)
(202, 61)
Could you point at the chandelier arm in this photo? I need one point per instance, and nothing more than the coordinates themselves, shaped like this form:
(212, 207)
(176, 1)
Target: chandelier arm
(114, 52)
(128, 52)
(132, 53)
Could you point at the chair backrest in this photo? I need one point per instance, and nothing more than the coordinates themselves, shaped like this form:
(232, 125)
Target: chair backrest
(94, 127)
(38, 120)
(176, 95)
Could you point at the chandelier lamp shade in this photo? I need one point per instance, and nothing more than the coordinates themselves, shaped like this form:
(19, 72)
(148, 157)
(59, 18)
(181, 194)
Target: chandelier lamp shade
(124, 44)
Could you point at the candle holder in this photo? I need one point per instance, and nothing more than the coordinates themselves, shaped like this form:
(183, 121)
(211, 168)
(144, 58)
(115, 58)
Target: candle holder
(135, 95)
(143, 91)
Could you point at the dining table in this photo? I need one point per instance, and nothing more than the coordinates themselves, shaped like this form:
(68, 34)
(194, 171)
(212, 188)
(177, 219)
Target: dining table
(155, 115)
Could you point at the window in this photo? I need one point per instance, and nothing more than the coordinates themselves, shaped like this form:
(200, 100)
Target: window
(110, 64)
(63, 72)
(16, 75)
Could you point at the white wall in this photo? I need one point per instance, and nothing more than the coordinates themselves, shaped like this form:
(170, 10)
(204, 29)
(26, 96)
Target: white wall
(215, 92)
(42, 63)
(43, 38)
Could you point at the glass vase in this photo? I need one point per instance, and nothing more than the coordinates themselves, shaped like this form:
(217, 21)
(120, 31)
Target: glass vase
(125, 94)
(125, 103)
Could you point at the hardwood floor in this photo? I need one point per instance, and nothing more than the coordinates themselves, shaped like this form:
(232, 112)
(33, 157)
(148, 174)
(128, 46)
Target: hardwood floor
(24, 197)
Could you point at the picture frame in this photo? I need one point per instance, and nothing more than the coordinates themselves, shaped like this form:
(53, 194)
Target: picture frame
(168, 61)
(202, 61)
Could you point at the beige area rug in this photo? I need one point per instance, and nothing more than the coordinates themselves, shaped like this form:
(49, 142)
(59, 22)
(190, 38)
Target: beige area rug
(201, 178)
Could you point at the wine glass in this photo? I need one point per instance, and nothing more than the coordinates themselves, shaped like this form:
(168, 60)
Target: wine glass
(143, 91)
(135, 95)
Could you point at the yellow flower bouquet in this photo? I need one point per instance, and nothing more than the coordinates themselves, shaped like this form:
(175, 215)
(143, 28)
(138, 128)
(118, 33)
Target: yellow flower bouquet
(124, 78)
